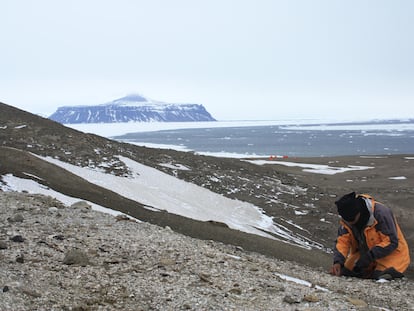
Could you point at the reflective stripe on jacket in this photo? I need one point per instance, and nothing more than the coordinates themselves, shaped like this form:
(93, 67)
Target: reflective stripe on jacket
(382, 236)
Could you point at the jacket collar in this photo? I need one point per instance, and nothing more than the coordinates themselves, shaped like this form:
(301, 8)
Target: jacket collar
(370, 206)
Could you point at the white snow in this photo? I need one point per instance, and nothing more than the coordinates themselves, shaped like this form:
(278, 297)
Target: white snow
(300, 281)
(398, 178)
(160, 191)
(300, 213)
(314, 168)
(164, 192)
(13, 183)
(31, 175)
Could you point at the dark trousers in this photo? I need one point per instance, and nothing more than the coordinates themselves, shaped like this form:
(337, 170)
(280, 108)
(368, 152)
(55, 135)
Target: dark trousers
(373, 274)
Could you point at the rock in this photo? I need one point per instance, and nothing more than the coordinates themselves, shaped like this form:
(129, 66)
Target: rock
(291, 299)
(76, 257)
(3, 245)
(311, 298)
(53, 209)
(357, 302)
(236, 291)
(17, 238)
(31, 292)
(122, 217)
(166, 262)
(16, 218)
(81, 205)
(20, 259)
(204, 277)
(59, 237)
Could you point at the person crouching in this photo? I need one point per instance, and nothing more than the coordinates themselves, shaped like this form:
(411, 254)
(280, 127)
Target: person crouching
(370, 243)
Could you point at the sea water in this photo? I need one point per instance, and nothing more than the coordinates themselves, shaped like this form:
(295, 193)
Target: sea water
(285, 140)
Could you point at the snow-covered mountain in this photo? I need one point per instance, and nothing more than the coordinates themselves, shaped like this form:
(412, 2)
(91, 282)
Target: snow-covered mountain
(132, 108)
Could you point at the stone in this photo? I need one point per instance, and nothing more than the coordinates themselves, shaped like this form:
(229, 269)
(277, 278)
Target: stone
(17, 238)
(76, 257)
(3, 245)
(81, 205)
(16, 218)
(236, 291)
(205, 277)
(31, 292)
(122, 217)
(357, 302)
(164, 262)
(311, 298)
(20, 259)
(291, 299)
(59, 237)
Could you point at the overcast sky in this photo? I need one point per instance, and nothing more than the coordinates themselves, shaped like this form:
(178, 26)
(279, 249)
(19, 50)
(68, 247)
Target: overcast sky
(256, 59)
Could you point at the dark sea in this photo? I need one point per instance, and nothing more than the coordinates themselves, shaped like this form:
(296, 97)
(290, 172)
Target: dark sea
(292, 141)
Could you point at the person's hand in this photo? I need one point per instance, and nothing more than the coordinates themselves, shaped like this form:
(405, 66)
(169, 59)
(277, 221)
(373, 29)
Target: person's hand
(336, 269)
(363, 262)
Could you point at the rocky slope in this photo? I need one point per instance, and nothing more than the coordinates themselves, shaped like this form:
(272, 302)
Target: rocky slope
(57, 257)
(132, 108)
(279, 190)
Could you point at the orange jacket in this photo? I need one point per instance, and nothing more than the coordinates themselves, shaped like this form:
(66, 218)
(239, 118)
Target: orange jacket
(382, 236)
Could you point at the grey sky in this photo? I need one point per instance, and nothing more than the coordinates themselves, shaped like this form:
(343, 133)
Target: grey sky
(241, 59)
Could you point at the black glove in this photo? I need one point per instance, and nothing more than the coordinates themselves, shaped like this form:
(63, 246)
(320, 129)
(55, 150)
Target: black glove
(363, 261)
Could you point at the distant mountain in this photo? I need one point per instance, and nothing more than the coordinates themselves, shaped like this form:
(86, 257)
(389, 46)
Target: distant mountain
(132, 108)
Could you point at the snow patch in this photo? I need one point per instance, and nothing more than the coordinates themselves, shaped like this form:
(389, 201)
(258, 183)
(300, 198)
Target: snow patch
(300, 213)
(300, 282)
(161, 191)
(13, 183)
(314, 168)
(398, 178)
(33, 176)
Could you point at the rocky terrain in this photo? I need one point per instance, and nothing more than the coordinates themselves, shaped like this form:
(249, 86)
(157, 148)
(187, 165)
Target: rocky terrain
(279, 190)
(57, 257)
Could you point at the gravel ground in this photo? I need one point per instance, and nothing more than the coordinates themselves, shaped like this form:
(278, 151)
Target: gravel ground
(56, 257)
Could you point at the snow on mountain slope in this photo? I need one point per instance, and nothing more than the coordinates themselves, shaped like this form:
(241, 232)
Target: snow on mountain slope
(132, 108)
(161, 191)
(313, 168)
(13, 183)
